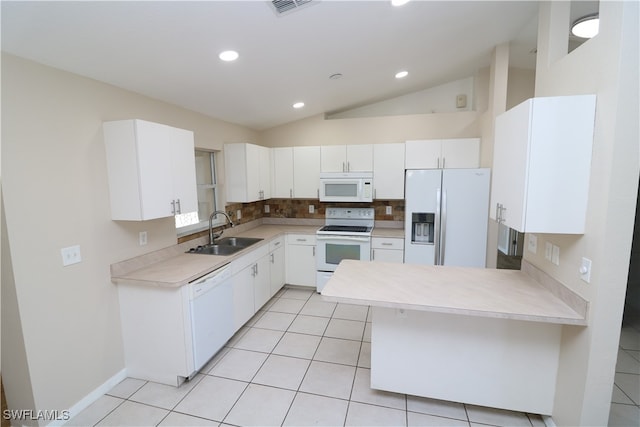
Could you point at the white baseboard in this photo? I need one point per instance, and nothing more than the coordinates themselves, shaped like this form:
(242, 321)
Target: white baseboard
(92, 397)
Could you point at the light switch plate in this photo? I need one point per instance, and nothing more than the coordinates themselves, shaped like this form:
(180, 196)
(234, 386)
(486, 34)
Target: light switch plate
(71, 255)
(267, 209)
(585, 270)
(548, 250)
(239, 214)
(312, 209)
(142, 238)
(389, 210)
(555, 255)
(532, 245)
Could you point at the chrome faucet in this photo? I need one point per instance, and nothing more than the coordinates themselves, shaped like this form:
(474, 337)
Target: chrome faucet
(212, 236)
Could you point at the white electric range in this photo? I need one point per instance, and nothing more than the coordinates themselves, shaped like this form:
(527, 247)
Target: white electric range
(346, 235)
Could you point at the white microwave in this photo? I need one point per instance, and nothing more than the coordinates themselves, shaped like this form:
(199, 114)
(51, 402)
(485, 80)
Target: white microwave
(346, 187)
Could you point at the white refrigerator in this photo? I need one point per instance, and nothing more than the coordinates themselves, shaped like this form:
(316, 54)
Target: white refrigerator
(446, 217)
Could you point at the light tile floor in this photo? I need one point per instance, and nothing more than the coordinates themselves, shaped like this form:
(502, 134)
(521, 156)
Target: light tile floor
(625, 406)
(302, 361)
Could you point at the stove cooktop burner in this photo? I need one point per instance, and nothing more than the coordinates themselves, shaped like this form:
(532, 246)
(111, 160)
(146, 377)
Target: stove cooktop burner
(346, 228)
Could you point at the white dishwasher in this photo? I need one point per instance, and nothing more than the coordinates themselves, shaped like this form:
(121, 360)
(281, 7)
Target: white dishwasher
(211, 301)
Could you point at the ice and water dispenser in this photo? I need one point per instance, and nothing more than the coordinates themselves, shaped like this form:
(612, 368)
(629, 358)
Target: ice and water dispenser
(422, 227)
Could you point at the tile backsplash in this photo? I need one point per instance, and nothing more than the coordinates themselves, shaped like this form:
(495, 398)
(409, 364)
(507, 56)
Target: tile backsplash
(299, 208)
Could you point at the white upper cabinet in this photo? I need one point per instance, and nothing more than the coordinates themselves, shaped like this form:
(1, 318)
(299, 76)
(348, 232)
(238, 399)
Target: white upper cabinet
(346, 158)
(388, 171)
(282, 172)
(458, 153)
(306, 172)
(542, 164)
(247, 172)
(151, 170)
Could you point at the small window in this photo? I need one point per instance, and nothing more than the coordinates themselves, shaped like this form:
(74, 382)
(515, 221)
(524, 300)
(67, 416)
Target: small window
(207, 182)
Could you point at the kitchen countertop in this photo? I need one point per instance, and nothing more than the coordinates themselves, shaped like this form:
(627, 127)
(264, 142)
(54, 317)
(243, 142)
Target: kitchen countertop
(182, 268)
(509, 294)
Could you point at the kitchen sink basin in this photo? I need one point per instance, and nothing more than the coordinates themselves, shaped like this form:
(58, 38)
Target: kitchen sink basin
(226, 246)
(241, 242)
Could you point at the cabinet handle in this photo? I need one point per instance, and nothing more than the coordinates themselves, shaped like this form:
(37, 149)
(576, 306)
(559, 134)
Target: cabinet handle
(444, 159)
(301, 240)
(291, 193)
(173, 207)
(314, 251)
(256, 269)
(373, 254)
(438, 162)
(348, 167)
(387, 244)
(178, 205)
(318, 190)
(272, 261)
(276, 243)
(343, 169)
(374, 193)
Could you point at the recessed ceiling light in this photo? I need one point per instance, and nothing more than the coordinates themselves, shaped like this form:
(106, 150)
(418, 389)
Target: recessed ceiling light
(228, 55)
(586, 27)
(399, 2)
(298, 105)
(402, 74)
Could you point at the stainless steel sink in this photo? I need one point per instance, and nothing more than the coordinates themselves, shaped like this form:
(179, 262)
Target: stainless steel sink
(241, 242)
(226, 246)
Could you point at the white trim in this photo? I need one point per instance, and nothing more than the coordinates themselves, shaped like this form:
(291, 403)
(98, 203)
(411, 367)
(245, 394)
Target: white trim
(548, 421)
(96, 394)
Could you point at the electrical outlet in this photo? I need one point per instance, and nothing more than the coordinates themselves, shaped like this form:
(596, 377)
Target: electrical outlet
(548, 250)
(585, 270)
(389, 210)
(239, 214)
(312, 209)
(71, 255)
(267, 209)
(532, 245)
(142, 238)
(555, 255)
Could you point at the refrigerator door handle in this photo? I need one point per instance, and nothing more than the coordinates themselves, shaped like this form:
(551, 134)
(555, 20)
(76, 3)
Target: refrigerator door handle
(443, 226)
(436, 230)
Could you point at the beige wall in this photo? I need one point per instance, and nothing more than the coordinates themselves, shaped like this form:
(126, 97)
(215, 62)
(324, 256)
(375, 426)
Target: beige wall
(56, 195)
(607, 66)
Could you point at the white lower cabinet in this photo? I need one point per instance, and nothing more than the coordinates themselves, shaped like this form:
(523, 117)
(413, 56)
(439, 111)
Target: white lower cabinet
(277, 267)
(387, 249)
(157, 334)
(250, 284)
(301, 259)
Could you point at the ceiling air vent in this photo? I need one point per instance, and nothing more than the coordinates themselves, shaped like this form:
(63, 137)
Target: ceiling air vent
(286, 6)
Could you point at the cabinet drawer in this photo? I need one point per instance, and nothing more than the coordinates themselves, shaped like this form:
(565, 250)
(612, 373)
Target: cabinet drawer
(276, 243)
(301, 239)
(387, 243)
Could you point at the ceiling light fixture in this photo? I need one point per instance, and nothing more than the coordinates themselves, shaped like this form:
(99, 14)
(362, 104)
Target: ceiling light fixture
(298, 105)
(228, 55)
(402, 74)
(399, 2)
(586, 27)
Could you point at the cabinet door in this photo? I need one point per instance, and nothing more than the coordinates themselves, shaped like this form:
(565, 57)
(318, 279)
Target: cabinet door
(282, 172)
(333, 158)
(184, 170)
(252, 171)
(155, 164)
(306, 172)
(387, 255)
(301, 265)
(510, 165)
(261, 283)
(460, 153)
(243, 299)
(388, 171)
(264, 169)
(423, 154)
(360, 158)
(277, 270)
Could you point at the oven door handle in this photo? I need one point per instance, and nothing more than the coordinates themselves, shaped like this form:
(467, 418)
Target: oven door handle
(349, 238)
